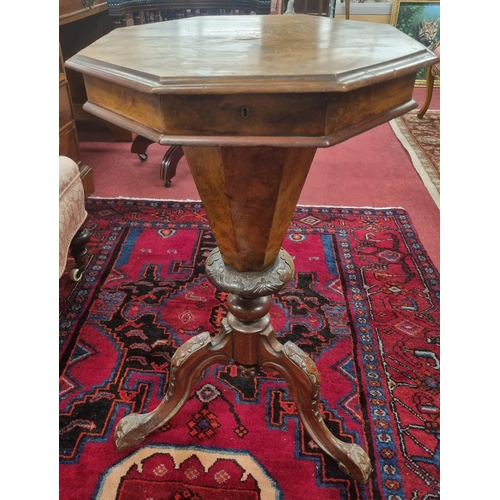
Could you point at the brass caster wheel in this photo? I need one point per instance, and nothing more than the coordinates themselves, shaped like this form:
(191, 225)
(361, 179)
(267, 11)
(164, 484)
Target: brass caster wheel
(168, 183)
(75, 274)
(142, 156)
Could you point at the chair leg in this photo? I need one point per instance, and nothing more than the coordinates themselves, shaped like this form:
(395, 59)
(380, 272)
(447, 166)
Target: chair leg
(428, 95)
(78, 251)
(169, 163)
(139, 146)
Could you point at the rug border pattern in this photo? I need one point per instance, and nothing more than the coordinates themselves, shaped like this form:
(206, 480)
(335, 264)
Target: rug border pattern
(419, 159)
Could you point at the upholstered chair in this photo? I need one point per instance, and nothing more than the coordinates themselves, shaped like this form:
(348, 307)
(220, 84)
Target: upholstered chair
(72, 214)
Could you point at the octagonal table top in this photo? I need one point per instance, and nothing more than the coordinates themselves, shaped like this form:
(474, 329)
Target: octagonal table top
(259, 54)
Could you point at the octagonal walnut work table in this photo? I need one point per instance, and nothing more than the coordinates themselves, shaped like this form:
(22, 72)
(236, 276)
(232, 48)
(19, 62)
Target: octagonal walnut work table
(249, 99)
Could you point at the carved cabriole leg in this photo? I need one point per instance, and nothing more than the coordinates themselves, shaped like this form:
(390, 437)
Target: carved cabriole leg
(303, 381)
(255, 345)
(187, 365)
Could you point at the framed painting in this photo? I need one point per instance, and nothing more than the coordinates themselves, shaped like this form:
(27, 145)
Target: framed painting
(419, 19)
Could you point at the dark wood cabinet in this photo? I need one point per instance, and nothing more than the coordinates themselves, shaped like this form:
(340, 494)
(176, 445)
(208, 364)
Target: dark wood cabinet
(79, 27)
(81, 22)
(68, 136)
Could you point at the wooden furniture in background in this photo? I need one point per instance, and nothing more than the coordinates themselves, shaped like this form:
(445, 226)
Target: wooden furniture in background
(81, 22)
(134, 12)
(79, 26)
(249, 114)
(315, 7)
(68, 137)
(170, 160)
(72, 10)
(138, 12)
(432, 74)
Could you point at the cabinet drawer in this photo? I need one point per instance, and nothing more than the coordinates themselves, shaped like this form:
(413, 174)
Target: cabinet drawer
(68, 143)
(65, 110)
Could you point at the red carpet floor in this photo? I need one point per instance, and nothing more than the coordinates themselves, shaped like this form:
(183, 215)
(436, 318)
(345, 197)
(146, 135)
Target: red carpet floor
(363, 304)
(370, 170)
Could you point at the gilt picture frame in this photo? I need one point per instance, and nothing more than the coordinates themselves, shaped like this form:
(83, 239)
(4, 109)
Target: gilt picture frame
(419, 19)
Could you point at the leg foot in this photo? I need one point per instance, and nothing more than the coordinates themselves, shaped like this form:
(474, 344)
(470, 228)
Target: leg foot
(188, 364)
(78, 251)
(140, 145)
(169, 164)
(303, 381)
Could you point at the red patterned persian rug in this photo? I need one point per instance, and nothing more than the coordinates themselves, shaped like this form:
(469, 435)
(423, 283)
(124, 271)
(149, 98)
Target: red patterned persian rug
(421, 138)
(363, 304)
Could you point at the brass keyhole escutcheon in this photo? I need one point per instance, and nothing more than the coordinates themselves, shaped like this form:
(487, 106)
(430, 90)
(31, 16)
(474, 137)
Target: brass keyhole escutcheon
(245, 112)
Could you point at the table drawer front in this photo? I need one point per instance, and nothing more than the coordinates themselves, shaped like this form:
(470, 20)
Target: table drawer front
(244, 114)
(65, 110)
(213, 115)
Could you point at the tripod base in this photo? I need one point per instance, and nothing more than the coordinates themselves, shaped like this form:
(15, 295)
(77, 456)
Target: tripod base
(247, 337)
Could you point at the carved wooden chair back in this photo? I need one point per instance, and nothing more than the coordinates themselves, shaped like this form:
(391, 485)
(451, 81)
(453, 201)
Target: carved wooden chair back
(315, 7)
